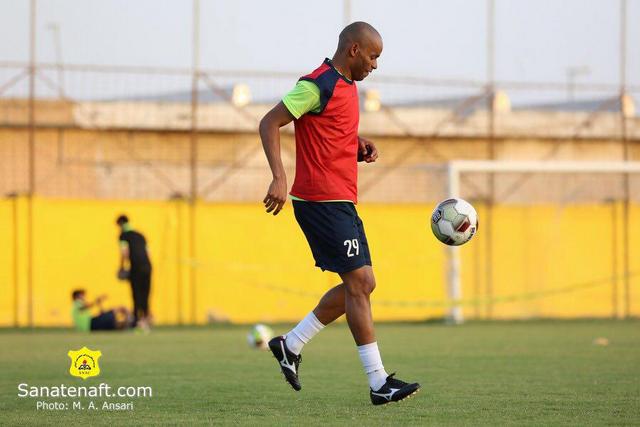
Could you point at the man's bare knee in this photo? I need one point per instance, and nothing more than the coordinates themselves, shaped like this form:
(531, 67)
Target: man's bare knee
(361, 285)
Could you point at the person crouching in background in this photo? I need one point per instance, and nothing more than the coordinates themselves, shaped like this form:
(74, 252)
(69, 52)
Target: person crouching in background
(117, 318)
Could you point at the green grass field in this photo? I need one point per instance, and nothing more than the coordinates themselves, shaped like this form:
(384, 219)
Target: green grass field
(532, 373)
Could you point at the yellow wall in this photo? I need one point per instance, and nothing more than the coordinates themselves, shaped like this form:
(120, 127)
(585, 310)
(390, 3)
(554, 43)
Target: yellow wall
(548, 261)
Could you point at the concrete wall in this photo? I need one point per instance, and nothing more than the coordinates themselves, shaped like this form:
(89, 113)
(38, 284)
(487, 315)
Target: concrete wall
(127, 164)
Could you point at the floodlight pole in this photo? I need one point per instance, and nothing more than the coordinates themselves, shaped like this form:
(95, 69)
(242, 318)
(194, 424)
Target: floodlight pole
(193, 145)
(346, 6)
(454, 288)
(16, 263)
(626, 158)
(614, 259)
(179, 201)
(491, 154)
(31, 147)
(57, 43)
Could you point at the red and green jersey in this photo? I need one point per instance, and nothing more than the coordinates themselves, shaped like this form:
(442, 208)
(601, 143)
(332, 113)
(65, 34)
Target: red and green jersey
(326, 132)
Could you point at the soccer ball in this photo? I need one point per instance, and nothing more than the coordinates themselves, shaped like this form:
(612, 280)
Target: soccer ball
(259, 336)
(454, 222)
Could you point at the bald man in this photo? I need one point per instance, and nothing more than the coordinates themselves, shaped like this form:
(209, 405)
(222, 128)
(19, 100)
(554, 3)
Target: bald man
(325, 110)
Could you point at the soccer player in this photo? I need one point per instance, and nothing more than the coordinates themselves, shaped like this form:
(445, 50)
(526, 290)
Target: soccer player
(325, 110)
(107, 320)
(133, 251)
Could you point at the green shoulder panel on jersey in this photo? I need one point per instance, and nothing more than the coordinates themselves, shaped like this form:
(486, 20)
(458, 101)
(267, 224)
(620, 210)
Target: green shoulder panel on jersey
(304, 97)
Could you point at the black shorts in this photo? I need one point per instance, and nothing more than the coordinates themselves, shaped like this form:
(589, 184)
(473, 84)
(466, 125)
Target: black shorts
(335, 234)
(104, 322)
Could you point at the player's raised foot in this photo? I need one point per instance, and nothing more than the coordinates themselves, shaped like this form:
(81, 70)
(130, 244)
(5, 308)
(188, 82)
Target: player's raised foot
(288, 361)
(394, 390)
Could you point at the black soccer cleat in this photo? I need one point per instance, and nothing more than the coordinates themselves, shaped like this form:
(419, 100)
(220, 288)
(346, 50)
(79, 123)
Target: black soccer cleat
(288, 361)
(393, 390)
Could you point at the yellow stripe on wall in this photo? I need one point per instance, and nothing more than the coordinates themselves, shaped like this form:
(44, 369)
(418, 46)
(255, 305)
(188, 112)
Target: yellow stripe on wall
(548, 261)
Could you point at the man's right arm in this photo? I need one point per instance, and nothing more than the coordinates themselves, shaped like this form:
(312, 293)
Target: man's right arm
(270, 134)
(124, 252)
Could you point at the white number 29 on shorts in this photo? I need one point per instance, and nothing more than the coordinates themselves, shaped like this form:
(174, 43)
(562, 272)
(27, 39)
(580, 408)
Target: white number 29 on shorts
(351, 245)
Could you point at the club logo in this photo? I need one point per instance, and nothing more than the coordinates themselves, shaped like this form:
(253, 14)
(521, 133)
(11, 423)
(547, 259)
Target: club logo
(84, 363)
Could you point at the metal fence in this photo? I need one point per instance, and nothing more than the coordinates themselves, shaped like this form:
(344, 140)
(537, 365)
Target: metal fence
(88, 131)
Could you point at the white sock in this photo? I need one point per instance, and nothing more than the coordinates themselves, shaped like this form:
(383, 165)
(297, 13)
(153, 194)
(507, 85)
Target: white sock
(372, 363)
(303, 332)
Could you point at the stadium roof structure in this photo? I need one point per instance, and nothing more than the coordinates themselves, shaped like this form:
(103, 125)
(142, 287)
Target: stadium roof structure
(463, 105)
(446, 103)
(611, 104)
(456, 117)
(205, 96)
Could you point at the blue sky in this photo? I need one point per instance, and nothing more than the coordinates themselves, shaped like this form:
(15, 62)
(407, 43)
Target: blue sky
(535, 40)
